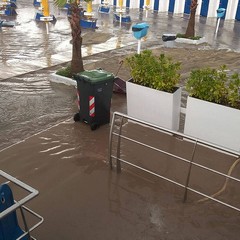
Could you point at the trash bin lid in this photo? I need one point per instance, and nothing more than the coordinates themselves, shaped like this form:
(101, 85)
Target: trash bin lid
(168, 37)
(95, 76)
(169, 34)
(221, 10)
(139, 26)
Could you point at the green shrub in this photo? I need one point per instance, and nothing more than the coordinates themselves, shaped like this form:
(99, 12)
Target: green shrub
(215, 85)
(157, 72)
(181, 35)
(234, 91)
(66, 72)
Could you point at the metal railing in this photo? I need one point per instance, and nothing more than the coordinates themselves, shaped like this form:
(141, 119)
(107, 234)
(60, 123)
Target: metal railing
(196, 142)
(20, 204)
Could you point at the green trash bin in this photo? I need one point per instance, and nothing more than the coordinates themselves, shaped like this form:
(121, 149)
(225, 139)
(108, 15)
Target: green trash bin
(94, 92)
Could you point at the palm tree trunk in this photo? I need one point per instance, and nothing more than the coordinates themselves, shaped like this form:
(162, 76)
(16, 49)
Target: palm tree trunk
(74, 19)
(190, 32)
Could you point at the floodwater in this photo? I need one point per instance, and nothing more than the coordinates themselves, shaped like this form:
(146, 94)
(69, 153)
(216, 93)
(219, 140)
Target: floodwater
(79, 197)
(30, 102)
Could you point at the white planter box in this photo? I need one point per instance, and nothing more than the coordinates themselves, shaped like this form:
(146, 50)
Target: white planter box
(190, 41)
(64, 80)
(153, 106)
(213, 123)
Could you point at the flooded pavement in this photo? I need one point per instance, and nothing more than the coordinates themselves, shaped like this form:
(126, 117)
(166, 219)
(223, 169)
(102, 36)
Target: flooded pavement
(31, 102)
(29, 45)
(29, 105)
(80, 198)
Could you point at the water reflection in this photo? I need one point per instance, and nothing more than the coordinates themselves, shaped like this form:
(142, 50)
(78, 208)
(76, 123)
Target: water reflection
(89, 50)
(46, 46)
(30, 102)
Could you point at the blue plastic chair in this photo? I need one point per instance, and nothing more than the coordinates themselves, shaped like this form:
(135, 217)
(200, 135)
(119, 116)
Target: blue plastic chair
(9, 227)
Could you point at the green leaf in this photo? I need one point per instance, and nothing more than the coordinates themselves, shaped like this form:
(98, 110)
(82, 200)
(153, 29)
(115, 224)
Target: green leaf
(158, 72)
(214, 85)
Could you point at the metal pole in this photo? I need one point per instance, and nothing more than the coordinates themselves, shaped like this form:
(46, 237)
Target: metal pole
(120, 19)
(218, 22)
(25, 223)
(139, 46)
(47, 27)
(110, 141)
(118, 147)
(189, 173)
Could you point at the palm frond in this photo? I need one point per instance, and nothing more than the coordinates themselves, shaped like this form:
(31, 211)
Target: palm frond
(61, 3)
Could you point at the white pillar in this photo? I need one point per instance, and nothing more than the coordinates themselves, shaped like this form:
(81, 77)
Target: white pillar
(163, 5)
(231, 9)
(134, 3)
(179, 6)
(212, 8)
(199, 7)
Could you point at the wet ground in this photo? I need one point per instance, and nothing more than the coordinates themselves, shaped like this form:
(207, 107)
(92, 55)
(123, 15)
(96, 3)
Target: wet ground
(79, 197)
(30, 102)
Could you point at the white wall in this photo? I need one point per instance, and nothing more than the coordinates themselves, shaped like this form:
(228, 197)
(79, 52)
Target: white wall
(133, 3)
(163, 5)
(179, 6)
(199, 7)
(212, 9)
(231, 9)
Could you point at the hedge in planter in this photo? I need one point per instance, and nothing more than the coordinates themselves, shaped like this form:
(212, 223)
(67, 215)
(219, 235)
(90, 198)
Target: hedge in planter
(157, 72)
(215, 85)
(152, 93)
(65, 72)
(64, 76)
(213, 105)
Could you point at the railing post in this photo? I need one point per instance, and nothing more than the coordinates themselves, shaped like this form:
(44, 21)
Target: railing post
(25, 223)
(118, 143)
(118, 147)
(189, 173)
(110, 141)
(194, 143)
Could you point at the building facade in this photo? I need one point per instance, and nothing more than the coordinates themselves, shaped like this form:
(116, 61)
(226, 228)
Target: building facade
(206, 8)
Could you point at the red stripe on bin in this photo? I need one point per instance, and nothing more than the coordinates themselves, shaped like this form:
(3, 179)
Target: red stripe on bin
(91, 106)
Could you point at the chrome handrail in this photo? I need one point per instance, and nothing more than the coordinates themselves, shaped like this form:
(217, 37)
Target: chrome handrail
(196, 142)
(20, 204)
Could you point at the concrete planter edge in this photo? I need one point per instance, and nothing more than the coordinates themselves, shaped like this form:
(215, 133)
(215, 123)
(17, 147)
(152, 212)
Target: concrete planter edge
(213, 123)
(190, 41)
(154, 106)
(64, 80)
